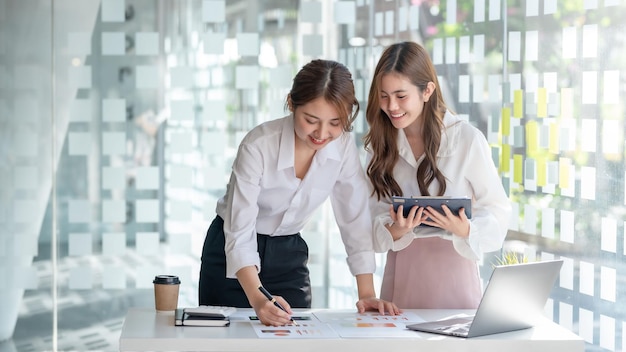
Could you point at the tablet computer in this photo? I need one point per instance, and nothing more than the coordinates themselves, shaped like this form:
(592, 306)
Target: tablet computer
(454, 203)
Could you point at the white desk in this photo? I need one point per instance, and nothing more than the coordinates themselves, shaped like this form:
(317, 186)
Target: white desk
(145, 330)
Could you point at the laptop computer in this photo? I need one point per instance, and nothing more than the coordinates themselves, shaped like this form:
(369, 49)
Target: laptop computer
(514, 298)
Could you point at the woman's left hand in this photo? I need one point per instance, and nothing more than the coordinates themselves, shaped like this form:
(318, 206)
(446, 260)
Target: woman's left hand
(380, 305)
(457, 224)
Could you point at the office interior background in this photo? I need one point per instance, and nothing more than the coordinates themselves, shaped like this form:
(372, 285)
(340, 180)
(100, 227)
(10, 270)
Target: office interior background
(119, 121)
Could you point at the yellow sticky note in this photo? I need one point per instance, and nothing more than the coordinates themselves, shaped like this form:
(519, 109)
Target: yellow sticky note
(542, 102)
(518, 168)
(506, 121)
(553, 143)
(518, 103)
(564, 166)
(505, 158)
(531, 137)
(541, 171)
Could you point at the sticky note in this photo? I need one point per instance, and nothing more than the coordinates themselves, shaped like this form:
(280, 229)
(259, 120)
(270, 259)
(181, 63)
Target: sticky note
(518, 103)
(564, 170)
(542, 102)
(541, 171)
(114, 210)
(531, 137)
(506, 157)
(147, 43)
(518, 162)
(506, 121)
(80, 278)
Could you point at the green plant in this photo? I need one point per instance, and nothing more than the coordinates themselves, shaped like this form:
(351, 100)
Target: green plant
(510, 258)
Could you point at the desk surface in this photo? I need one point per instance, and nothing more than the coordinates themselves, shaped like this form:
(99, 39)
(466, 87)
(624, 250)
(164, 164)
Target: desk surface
(146, 330)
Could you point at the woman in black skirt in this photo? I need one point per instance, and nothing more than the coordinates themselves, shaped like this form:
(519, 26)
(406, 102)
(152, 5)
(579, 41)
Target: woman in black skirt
(284, 170)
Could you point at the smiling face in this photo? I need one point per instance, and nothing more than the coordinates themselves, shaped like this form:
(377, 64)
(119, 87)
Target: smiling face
(401, 100)
(316, 123)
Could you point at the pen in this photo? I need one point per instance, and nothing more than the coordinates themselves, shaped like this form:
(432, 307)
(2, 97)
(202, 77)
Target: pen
(273, 300)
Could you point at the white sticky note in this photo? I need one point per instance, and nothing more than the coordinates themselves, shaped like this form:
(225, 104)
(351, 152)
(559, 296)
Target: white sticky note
(113, 43)
(147, 210)
(532, 46)
(180, 210)
(532, 8)
(113, 178)
(569, 43)
(414, 15)
(25, 177)
(479, 11)
(112, 11)
(247, 77)
(81, 110)
(586, 278)
(312, 45)
(113, 243)
(214, 110)
(114, 210)
(80, 76)
(514, 45)
(180, 176)
(79, 43)
(451, 10)
(530, 219)
(586, 324)
(79, 143)
(566, 316)
(79, 244)
(378, 23)
(590, 4)
(147, 77)
(147, 177)
(23, 211)
(25, 244)
(493, 82)
(464, 50)
(588, 182)
(611, 87)
(588, 143)
(181, 110)
(403, 18)
(281, 76)
(79, 211)
(147, 243)
(494, 10)
(147, 43)
(248, 44)
(215, 178)
(113, 110)
(611, 133)
(345, 12)
(180, 243)
(464, 88)
(213, 143)
(450, 50)
(547, 222)
(567, 226)
(113, 143)
(310, 11)
(590, 41)
(24, 277)
(213, 43)
(590, 82)
(566, 277)
(80, 278)
(213, 11)
(437, 55)
(181, 77)
(607, 327)
(181, 142)
(608, 235)
(113, 277)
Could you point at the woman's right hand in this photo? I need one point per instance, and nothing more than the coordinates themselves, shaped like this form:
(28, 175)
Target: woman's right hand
(271, 315)
(402, 225)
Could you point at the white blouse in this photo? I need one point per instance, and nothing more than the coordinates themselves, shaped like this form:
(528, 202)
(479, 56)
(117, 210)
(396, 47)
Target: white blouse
(265, 196)
(464, 158)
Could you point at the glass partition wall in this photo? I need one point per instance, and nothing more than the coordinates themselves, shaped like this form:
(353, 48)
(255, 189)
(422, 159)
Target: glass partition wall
(119, 121)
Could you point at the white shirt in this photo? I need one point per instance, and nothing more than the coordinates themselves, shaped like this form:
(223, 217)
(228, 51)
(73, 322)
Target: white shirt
(464, 158)
(265, 196)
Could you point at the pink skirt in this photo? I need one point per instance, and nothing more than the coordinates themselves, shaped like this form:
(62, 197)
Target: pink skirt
(430, 274)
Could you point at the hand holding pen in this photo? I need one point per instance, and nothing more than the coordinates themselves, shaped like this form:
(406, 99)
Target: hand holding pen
(273, 300)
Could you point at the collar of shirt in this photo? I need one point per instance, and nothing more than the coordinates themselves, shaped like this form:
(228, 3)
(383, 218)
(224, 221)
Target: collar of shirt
(286, 152)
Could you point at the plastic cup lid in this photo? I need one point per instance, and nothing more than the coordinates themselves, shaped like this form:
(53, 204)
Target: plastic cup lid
(166, 280)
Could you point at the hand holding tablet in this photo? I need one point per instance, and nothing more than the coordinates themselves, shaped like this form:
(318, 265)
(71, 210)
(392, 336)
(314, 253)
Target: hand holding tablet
(453, 203)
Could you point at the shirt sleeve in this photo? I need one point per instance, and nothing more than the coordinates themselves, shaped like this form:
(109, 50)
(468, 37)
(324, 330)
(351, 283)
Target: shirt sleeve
(491, 208)
(349, 199)
(240, 220)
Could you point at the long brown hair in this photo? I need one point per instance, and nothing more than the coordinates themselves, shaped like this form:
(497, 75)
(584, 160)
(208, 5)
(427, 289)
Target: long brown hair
(412, 61)
(330, 80)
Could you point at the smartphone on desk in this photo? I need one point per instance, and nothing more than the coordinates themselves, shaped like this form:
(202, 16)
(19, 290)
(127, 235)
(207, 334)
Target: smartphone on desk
(453, 203)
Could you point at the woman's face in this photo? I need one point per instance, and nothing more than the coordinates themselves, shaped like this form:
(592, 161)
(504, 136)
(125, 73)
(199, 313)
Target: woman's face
(401, 100)
(316, 123)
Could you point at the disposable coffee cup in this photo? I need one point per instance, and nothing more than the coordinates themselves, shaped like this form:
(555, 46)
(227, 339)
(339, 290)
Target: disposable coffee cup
(166, 292)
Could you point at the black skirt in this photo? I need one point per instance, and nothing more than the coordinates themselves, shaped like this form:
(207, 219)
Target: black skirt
(283, 273)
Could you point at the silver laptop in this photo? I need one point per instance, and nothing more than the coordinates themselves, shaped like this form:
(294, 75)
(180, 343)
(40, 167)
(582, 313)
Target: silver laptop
(513, 299)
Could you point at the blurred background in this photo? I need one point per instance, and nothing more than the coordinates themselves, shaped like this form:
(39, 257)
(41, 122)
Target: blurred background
(120, 119)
